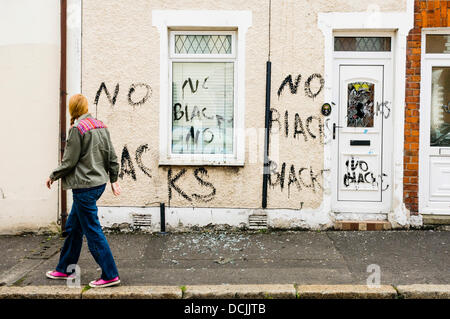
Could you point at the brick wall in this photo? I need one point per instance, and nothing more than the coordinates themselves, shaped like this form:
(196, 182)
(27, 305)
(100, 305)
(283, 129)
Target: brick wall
(427, 14)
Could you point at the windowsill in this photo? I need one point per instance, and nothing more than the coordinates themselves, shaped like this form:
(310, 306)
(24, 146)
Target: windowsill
(200, 162)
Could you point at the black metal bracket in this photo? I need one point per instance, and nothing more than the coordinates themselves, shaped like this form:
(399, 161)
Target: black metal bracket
(334, 130)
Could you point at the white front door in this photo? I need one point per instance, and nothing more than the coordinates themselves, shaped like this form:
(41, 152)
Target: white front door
(362, 150)
(434, 157)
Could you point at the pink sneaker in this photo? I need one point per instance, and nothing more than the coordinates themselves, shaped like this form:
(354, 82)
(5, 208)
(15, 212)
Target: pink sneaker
(58, 275)
(100, 283)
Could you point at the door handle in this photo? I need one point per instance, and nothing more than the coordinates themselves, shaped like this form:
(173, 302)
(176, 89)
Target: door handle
(334, 130)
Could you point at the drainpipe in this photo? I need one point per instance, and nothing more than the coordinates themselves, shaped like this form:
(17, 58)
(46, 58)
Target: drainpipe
(266, 170)
(62, 104)
(266, 135)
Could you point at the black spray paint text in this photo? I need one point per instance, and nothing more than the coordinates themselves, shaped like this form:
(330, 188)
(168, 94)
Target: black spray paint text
(138, 94)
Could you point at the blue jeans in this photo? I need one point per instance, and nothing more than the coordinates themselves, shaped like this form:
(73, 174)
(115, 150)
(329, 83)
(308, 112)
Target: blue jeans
(83, 220)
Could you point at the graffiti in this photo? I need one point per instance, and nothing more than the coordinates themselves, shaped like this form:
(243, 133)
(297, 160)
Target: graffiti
(208, 197)
(298, 127)
(293, 86)
(208, 133)
(127, 166)
(199, 175)
(189, 80)
(191, 86)
(171, 184)
(204, 83)
(304, 178)
(358, 173)
(195, 136)
(319, 125)
(312, 129)
(140, 150)
(112, 100)
(384, 109)
(327, 132)
(381, 178)
(133, 88)
(308, 91)
(178, 114)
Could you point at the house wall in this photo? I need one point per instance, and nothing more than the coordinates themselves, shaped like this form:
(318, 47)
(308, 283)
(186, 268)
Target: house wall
(121, 48)
(427, 14)
(29, 86)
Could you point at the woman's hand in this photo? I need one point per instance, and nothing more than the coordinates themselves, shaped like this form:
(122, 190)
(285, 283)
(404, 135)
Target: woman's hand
(48, 182)
(116, 189)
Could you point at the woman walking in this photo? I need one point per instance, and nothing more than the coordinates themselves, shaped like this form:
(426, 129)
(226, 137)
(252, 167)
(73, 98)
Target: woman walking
(88, 163)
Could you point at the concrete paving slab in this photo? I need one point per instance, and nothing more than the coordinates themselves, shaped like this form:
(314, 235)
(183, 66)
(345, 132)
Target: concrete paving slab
(404, 257)
(23, 260)
(15, 248)
(418, 291)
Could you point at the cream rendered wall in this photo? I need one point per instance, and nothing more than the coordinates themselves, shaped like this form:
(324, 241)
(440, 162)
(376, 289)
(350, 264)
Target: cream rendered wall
(120, 46)
(29, 87)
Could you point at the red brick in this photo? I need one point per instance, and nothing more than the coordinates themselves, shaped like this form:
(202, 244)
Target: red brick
(412, 139)
(413, 85)
(410, 173)
(412, 119)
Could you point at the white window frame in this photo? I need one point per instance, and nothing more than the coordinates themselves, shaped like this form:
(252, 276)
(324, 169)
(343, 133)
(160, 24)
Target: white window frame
(428, 61)
(180, 57)
(171, 22)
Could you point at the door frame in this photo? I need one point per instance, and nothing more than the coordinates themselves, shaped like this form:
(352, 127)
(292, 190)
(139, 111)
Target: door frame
(427, 207)
(399, 22)
(384, 59)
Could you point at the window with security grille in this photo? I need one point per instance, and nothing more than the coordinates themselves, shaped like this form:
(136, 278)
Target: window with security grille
(202, 71)
(368, 44)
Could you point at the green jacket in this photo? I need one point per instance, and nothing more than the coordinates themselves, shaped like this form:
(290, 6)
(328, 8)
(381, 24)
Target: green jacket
(89, 158)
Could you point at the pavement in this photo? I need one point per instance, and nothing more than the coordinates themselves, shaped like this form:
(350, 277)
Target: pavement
(241, 264)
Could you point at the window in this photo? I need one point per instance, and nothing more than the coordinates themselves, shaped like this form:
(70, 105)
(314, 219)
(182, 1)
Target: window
(360, 105)
(440, 107)
(362, 44)
(202, 86)
(202, 93)
(438, 43)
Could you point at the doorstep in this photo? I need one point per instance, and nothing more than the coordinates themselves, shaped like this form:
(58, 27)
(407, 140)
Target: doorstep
(362, 225)
(436, 219)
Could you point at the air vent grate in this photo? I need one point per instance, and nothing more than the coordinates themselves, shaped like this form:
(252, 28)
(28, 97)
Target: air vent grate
(141, 220)
(257, 221)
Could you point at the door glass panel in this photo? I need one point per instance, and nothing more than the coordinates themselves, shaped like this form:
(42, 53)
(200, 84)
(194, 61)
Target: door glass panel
(360, 104)
(440, 107)
(362, 44)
